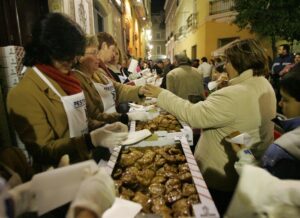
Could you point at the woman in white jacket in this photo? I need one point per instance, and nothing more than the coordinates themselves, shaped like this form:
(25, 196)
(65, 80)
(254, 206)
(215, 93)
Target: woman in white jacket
(248, 104)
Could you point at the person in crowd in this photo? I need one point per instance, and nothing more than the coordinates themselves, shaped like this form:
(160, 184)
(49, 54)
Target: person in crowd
(100, 99)
(146, 66)
(160, 64)
(124, 66)
(114, 66)
(107, 46)
(86, 66)
(282, 158)
(185, 80)
(140, 65)
(219, 78)
(218, 61)
(123, 76)
(217, 71)
(159, 76)
(206, 69)
(284, 58)
(297, 58)
(167, 68)
(247, 103)
(48, 107)
(195, 63)
(150, 64)
(114, 94)
(288, 67)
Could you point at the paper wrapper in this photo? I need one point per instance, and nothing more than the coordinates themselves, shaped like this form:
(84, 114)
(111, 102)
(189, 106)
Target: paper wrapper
(57, 187)
(207, 207)
(122, 208)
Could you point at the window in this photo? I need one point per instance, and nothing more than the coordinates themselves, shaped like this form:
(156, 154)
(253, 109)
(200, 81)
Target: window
(158, 35)
(194, 51)
(98, 18)
(158, 49)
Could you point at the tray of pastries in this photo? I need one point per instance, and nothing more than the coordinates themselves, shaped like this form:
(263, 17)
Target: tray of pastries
(162, 122)
(157, 177)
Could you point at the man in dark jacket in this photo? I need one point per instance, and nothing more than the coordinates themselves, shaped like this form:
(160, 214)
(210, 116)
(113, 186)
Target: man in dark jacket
(284, 58)
(167, 68)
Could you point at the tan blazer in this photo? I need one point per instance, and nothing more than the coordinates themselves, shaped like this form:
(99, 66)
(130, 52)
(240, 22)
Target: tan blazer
(40, 120)
(94, 104)
(184, 81)
(124, 92)
(248, 104)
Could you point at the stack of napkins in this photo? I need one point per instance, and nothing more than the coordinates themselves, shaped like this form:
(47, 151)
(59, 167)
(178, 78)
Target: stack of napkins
(134, 137)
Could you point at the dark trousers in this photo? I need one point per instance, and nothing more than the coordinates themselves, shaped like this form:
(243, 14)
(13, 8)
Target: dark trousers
(221, 199)
(206, 80)
(275, 80)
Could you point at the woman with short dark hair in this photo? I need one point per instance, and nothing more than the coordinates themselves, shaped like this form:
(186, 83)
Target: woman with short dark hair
(48, 107)
(247, 104)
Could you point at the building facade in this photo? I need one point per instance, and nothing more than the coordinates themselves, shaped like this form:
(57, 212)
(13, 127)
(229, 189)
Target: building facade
(157, 43)
(200, 27)
(125, 20)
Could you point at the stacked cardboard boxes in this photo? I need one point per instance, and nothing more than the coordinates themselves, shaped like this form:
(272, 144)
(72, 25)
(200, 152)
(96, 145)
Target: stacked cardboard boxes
(10, 65)
(11, 58)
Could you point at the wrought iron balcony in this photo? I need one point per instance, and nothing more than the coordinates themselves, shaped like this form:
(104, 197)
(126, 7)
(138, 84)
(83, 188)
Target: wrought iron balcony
(192, 20)
(220, 6)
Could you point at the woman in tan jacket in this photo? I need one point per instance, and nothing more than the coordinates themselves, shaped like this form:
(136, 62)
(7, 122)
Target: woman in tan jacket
(101, 102)
(247, 104)
(48, 107)
(111, 91)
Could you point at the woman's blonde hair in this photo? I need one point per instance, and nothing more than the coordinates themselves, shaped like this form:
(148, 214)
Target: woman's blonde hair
(120, 56)
(91, 40)
(248, 54)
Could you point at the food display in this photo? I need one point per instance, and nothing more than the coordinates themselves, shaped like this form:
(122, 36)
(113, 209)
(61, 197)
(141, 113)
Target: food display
(158, 178)
(162, 122)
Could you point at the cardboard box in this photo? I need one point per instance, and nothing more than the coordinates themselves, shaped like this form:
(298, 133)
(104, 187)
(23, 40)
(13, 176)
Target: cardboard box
(8, 71)
(12, 57)
(8, 61)
(206, 208)
(10, 81)
(12, 50)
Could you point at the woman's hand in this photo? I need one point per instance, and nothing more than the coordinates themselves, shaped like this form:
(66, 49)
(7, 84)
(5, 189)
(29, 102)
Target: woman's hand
(152, 91)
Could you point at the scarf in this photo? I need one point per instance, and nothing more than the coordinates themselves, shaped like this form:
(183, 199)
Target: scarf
(103, 66)
(68, 82)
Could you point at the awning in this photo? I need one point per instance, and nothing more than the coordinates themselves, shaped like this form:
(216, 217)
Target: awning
(220, 51)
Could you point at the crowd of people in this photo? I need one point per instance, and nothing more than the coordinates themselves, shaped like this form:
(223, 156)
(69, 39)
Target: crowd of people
(68, 103)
